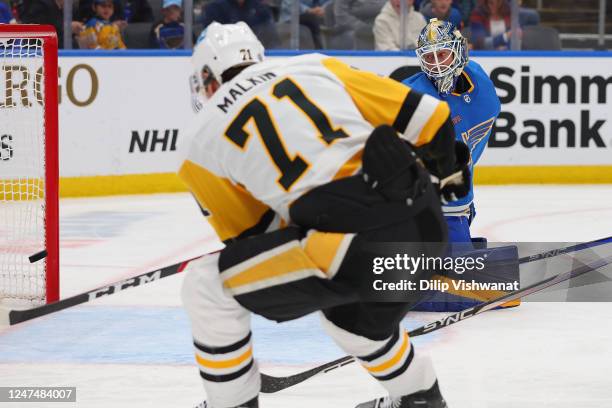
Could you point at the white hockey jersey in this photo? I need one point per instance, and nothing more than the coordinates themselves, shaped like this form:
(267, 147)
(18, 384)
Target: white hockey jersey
(283, 127)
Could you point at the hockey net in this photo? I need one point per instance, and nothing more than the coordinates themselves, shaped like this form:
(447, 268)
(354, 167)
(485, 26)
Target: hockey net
(28, 165)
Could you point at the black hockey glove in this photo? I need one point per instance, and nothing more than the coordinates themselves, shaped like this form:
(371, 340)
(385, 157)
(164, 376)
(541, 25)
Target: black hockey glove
(390, 166)
(447, 160)
(439, 154)
(457, 184)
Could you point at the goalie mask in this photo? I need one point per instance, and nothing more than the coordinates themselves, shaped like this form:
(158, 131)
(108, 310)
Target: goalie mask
(219, 48)
(442, 54)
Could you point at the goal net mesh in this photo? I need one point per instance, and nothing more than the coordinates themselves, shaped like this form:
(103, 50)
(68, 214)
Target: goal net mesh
(22, 170)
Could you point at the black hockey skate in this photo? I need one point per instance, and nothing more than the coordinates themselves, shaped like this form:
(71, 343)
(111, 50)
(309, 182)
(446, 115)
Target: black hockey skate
(431, 398)
(254, 403)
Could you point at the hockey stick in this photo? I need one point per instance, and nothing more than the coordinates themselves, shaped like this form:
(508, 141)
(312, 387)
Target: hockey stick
(19, 316)
(305, 375)
(573, 248)
(269, 384)
(517, 294)
(483, 307)
(38, 256)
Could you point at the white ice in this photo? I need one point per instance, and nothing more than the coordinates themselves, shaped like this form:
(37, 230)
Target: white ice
(132, 349)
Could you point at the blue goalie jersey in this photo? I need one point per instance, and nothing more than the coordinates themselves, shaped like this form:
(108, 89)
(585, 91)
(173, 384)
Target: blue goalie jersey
(473, 114)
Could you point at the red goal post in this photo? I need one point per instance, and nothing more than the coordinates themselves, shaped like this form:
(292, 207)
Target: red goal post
(29, 172)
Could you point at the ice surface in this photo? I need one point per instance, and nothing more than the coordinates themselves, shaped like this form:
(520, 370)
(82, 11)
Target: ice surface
(133, 349)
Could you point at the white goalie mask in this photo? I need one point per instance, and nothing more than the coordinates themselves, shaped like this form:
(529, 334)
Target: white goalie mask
(219, 48)
(442, 54)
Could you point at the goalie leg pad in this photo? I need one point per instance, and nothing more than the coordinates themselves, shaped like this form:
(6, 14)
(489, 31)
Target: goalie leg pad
(458, 229)
(500, 266)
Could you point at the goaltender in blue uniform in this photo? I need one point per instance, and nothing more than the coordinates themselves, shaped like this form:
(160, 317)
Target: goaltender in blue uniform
(450, 76)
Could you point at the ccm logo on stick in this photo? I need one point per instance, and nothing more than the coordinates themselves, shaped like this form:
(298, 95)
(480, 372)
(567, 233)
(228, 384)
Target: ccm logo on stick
(128, 283)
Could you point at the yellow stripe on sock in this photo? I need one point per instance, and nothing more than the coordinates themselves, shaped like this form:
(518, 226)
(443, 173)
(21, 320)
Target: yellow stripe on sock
(394, 360)
(233, 362)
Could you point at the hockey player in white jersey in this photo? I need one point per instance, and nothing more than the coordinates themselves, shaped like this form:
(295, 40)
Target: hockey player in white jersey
(299, 163)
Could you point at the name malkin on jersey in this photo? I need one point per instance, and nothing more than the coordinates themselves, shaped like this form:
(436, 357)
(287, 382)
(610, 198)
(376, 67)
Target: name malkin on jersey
(241, 87)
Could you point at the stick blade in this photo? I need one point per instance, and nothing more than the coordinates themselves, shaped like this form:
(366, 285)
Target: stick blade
(270, 384)
(38, 256)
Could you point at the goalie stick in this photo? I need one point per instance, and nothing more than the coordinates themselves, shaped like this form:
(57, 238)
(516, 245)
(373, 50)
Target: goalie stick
(342, 361)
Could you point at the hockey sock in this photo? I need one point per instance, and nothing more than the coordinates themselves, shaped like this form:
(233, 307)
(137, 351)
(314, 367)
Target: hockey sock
(392, 361)
(222, 337)
(230, 373)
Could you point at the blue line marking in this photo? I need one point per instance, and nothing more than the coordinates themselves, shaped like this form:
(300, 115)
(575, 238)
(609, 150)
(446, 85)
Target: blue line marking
(101, 224)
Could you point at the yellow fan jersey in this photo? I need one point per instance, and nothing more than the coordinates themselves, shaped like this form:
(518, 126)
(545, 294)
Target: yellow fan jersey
(283, 127)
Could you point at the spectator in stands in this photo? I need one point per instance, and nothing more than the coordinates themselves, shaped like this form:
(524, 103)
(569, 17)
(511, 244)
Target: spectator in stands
(253, 12)
(348, 17)
(442, 10)
(169, 32)
(465, 7)
(132, 11)
(387, 26)
(528, 16)
(275, 6)
(100, 32)
(138, 11)
(490, 25)
(311, 16)
(356, 13)
(48, 12)
(6, 16)
(86, 11)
